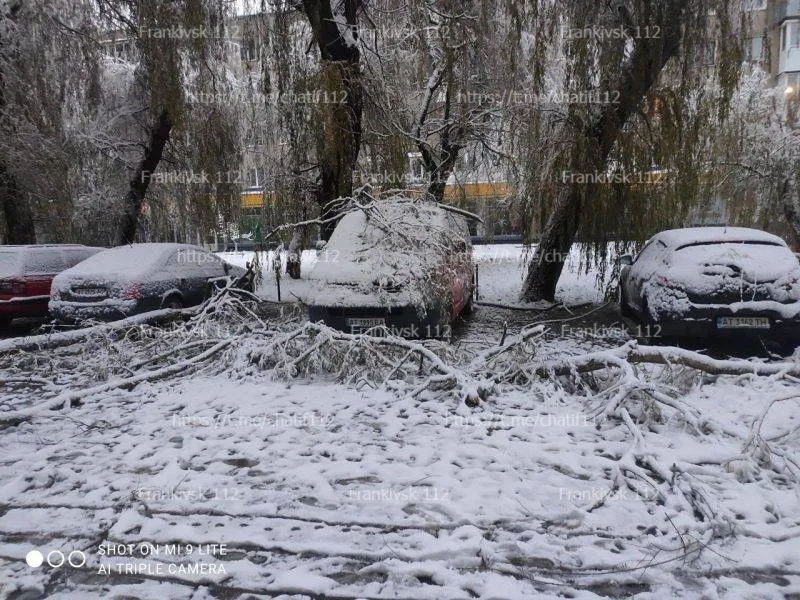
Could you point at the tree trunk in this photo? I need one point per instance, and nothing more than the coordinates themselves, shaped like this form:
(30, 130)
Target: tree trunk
(439, 167)
(294, 254)
(648, 59)
(556, 241)
(791, 209)
(159, 136)
(340, 103)
(442, 171)
(339, 138)
(16, 210)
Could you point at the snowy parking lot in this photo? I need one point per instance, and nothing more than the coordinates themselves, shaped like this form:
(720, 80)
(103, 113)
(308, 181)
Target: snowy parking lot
(244, 453)
(268, 328)
(500, 274)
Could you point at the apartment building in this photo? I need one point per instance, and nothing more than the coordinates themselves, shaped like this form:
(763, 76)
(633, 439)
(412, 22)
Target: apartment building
(774, 40)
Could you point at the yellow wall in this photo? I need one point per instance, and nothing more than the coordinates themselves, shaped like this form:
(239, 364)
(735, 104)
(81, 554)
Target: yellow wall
(255, 199)
(461, 191)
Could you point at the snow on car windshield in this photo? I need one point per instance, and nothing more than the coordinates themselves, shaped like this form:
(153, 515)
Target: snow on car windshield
(384, 248)
(9, 263)
(43, 262)
(124, 261)
(754, 262)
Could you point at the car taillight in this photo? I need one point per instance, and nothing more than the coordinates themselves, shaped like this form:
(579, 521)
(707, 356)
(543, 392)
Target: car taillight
(663, 280)
(788, 286)
(132, 291)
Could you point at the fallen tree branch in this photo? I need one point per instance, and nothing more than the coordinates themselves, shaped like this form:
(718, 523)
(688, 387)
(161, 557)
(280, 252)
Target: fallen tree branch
(633, 353)
(67, 338)
(279, 357)
(65, 399)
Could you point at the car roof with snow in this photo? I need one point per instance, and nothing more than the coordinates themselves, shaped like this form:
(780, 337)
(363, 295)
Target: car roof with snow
(679, 238)
(387, 234)
(133, 259)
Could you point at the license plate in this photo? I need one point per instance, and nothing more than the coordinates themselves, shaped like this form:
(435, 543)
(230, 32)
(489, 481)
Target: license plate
(90, 291)
(743, 323)
(372, 322)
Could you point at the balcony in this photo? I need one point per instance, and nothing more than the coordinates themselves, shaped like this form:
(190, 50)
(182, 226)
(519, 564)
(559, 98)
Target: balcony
(789, 60)
(786, 9)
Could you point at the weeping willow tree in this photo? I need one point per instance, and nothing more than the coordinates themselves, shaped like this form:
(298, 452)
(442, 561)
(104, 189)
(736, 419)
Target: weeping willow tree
(183, 65)
(290, 88)
(627, 151)
(754, 156)
(48, 72)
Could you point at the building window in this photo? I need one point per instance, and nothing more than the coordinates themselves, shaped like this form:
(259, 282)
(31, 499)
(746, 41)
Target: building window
(416, 166)
(792, 83)
(754, 49)
(249, 50)
(712, 51)
(793, 33)
(123, 50)
(256, 177)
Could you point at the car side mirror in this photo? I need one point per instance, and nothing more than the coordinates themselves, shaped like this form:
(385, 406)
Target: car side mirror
(625, 260)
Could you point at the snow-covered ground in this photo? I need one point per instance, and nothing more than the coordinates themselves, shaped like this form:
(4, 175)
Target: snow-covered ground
(316, 488)
(243, 458)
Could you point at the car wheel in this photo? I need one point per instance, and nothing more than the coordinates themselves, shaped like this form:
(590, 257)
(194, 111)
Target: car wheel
(645, 317)
(173, 302)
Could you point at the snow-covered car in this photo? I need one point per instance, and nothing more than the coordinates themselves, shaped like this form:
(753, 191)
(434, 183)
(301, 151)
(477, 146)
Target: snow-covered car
(715, 282)
(402, 264)
(26, 273)
(128, 280)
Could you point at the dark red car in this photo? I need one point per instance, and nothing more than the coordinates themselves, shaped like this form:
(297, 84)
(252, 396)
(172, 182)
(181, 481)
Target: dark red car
(26, 273)
(400, 264)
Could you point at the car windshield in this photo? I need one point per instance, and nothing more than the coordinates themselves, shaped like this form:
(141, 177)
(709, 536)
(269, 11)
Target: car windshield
(760, 261)
(43, 262)
(123, 261)
(385, 240)
(9, 263)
